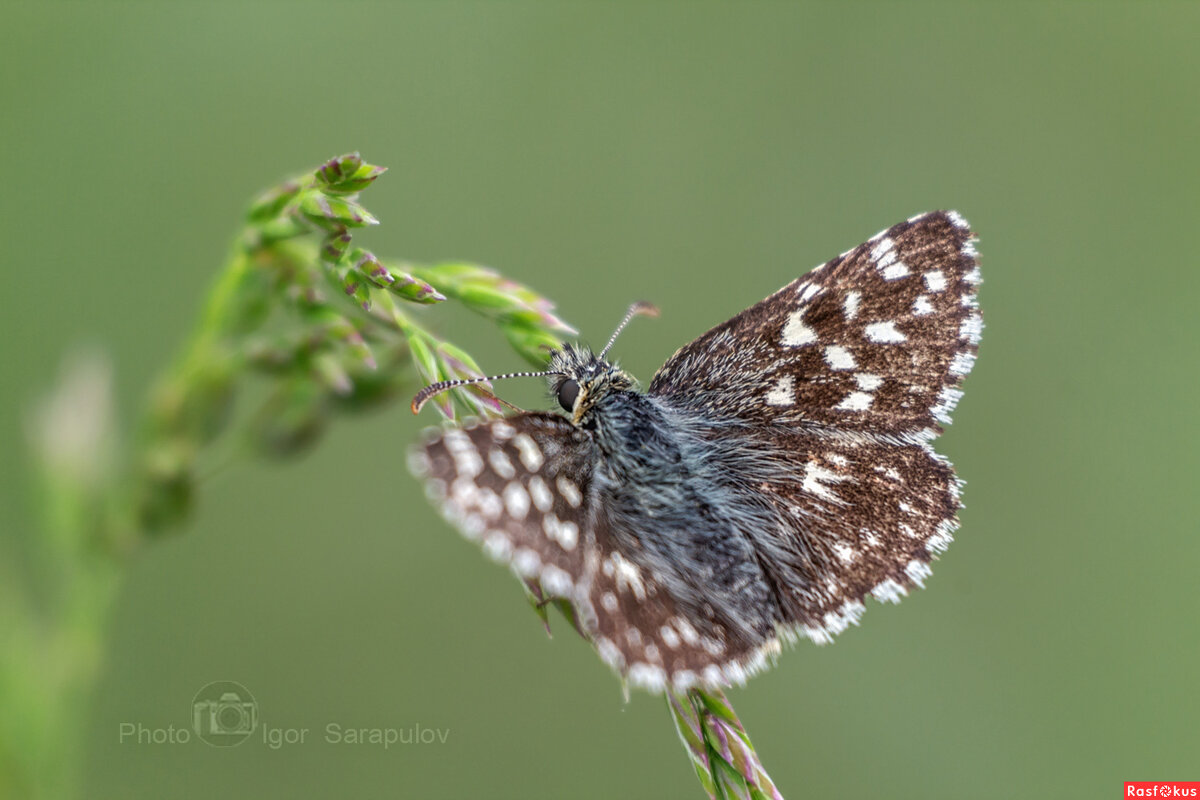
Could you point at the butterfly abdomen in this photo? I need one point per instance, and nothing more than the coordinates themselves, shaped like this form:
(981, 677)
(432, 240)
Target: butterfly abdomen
(675, 512)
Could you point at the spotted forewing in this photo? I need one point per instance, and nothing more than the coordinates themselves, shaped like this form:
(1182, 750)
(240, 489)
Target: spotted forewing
(876, 340)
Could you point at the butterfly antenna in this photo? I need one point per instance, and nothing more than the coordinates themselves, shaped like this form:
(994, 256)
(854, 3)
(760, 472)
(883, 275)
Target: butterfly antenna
(441, 386)
(636, 310)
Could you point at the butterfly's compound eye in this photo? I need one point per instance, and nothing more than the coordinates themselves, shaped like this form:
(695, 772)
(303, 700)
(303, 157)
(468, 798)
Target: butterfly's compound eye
(568, 392)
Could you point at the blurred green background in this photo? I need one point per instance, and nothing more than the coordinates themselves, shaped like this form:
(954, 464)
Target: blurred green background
(699, 156)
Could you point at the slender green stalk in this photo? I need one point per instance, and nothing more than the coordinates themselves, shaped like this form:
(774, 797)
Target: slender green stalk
(723, 757)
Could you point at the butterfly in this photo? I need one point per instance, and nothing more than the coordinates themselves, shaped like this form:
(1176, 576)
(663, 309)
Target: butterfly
(775, 473)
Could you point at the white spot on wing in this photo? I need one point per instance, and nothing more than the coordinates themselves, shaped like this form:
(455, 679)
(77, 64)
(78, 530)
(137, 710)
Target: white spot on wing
(628, 575)
(556, 581)
(435, 490)
(795, 332)
(466, 457)
(456, 439)
(684, 679)
(815, 477)
(850, 303)
(839, 357)
(463, 492)
(472, 525)
(418, 463)
(489, 503)
(879, 250)
(648, 677)
(935, 279)
(497, 546)
(531, 455)
(856, 401)
(669, 637)
(566, 533)
(884, 333)
(894, 271)
(501, 463)
(868, 382)
(686, 630)
(922, 306)
(609, 652)
(526, 562)
(569, 491)
(781, 393)
(516, 500)
(540, 494)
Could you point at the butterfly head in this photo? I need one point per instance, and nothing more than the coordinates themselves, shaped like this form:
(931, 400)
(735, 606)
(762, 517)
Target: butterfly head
(580, 379)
